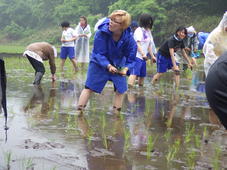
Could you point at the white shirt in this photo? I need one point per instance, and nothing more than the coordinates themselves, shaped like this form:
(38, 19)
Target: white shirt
(67, 35)
(145, 38)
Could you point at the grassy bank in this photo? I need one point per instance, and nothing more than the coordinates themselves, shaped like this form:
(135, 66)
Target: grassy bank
(11, 49)
(15, 49)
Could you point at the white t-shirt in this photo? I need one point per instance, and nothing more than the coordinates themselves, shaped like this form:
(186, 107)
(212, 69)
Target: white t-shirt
(145, 38)
(67, 35)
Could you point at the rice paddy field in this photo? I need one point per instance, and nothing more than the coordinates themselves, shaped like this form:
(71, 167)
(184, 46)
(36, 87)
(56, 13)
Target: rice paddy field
(160, 126)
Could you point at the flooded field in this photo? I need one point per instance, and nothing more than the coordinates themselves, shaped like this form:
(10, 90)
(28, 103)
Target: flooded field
(160, 127)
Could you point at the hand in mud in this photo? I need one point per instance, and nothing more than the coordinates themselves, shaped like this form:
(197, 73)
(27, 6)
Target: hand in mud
(190, 65)
(175, 68)
(187, 49)
(123, 71)
(145, 58)
(153, 59)
(112, 69)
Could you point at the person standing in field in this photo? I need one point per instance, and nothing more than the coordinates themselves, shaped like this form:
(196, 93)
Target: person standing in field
(191, 48)
(38, 52)
(113, 55)
(165, 57)
(143, 38)
(67, 49)
(83, 33)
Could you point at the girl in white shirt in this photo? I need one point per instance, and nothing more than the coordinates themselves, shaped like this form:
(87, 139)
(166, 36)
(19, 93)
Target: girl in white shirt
(143, 38)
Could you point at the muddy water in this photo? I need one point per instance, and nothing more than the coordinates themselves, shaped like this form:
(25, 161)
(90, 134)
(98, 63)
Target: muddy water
(160, 127)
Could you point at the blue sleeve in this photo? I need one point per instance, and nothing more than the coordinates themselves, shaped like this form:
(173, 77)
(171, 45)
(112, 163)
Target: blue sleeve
(131, 53)
(100, 49)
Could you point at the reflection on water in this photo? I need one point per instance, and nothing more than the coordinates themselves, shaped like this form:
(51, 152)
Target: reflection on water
(160, 127)
(198, 82)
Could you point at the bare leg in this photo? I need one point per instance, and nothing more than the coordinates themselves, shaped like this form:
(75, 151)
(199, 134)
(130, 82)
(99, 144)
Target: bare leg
(156, 77)
(131, 80)
(141, 80)
(62, 64)
(84, 96)
(73, 60)
(194, 61)
(118, 99)
(177, 79)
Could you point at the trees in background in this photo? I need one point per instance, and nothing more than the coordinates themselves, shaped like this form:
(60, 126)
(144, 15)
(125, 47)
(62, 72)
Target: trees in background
(21, 18)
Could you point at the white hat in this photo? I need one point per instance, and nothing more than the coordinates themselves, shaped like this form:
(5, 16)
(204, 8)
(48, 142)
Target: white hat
(191, 29)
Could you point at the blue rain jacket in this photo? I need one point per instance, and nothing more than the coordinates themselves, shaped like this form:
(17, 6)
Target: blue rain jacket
(107, 51)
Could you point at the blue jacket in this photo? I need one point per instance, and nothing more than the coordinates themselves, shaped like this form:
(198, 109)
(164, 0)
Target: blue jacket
(202, 36)
(107, 51)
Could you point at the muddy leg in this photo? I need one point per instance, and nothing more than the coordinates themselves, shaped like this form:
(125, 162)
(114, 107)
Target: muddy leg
(156, 78)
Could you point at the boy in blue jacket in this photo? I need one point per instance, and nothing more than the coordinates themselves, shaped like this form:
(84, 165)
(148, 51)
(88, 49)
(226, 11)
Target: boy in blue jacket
(113, 55)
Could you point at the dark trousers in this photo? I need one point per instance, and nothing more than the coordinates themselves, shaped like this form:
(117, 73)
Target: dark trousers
(39, 69)
(38, 66)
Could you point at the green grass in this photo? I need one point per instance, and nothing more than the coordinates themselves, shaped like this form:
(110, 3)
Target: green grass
(11, 49)
(15, 49)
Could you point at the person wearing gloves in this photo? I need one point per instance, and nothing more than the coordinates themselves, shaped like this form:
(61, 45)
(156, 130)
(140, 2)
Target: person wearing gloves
(83, 32)
(38, 52)
(216, 44)
(113, 55)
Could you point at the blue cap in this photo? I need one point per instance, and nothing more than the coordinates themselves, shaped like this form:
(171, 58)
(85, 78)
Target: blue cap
(134, 24)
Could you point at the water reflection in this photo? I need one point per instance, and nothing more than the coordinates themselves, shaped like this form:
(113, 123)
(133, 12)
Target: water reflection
(135, 119)
(38, 105)
(160, 127)
(198, 81)
(69, 94)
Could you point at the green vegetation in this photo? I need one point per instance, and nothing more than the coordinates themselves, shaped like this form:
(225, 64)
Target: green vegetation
(11, 49)
(8, 158)
(26, 21)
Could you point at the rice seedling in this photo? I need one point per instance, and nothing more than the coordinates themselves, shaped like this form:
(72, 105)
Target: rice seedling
(27, 163)
(197, 141)
(191, 159)
(150, 145)
(127, 137)
(70, 122)
(190, 131)
(173, 150)
(205, 132)
(217, 156)
(8, 158)
(167, 135)
(54, 168)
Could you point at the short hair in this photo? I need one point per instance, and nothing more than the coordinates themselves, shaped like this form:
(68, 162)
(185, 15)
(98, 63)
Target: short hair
(134, 24)
(65, 24)
(124, 15)
(145, 21)
(84, 19)
(181, 28)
